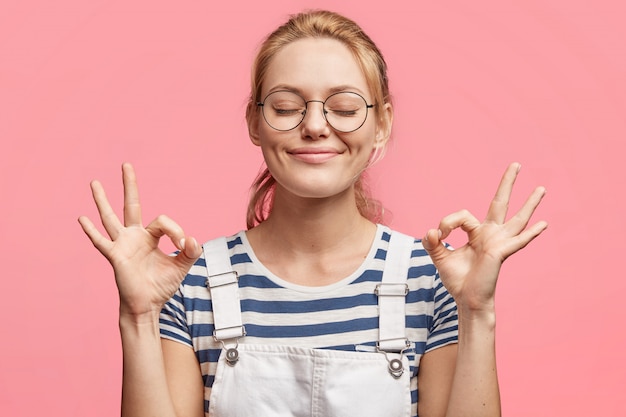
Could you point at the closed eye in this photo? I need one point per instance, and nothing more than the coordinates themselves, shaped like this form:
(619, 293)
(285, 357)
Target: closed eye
(345, 113)
(287, 112)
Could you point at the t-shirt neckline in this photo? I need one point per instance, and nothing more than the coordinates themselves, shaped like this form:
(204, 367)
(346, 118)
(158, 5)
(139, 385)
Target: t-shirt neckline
(375, 246)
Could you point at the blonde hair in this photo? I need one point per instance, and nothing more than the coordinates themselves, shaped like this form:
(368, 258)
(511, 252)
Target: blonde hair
(318, 24)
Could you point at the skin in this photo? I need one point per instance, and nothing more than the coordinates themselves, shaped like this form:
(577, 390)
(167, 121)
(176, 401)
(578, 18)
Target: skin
(310, 236)
(314, 236)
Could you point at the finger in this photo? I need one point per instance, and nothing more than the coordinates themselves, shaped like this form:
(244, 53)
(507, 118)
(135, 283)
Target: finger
(132, 208)
(190, 251)
(433, 240)
(100, 242)
(521, 240)
(109, 219)
(188, 246)
(519, 222)
(461, 219)
(434, 245)
(164, 226)
(500, 203)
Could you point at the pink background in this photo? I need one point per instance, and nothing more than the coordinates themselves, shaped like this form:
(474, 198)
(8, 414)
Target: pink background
(86, 85)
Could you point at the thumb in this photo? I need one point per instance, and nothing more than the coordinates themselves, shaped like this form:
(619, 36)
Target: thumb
(189, 251)
(434, 245)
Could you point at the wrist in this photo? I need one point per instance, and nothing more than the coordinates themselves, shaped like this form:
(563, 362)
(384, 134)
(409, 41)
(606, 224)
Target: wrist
(130, 318)
(477, 318)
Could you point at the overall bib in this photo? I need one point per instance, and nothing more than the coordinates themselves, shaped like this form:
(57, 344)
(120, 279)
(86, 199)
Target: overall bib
(258, 380)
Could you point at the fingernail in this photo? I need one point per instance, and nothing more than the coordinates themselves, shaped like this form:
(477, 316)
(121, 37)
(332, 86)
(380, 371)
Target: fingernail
(182, 244)
(440, 233)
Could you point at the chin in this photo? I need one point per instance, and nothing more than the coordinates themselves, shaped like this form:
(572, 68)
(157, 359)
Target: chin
(319, 190)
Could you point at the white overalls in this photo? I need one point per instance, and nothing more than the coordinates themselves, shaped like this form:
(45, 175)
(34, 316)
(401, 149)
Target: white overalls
(256, 380)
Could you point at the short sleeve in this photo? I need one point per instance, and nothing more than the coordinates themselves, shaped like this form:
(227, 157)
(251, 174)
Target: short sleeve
(173, 319)
(444, 329)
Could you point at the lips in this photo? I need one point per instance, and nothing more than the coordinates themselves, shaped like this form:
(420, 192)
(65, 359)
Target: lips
(314, 155)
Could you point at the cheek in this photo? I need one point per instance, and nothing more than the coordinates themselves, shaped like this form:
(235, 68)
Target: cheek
(367, 137)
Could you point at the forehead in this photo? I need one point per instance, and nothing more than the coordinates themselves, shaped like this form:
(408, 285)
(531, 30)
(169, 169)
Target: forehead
(315, 66)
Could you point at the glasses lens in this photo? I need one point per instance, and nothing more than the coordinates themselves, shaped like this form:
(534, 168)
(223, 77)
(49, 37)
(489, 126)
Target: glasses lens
(283, 110)
(345, 111)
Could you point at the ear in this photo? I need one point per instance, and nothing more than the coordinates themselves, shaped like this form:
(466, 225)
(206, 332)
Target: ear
(252, 119)
(383, 125)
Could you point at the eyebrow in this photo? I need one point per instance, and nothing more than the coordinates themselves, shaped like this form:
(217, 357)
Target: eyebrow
(336, 89)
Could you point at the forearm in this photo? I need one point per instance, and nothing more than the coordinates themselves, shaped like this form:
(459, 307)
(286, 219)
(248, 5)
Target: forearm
(144, 385)
(475, 390)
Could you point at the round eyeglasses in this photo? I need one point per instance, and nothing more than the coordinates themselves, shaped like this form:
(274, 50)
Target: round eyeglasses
(344, 111)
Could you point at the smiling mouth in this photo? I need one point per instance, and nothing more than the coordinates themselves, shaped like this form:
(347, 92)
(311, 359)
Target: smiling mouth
(314, 156)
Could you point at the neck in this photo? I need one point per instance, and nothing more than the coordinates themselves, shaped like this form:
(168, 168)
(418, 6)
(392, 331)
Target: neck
(313, 241)
(314, 225)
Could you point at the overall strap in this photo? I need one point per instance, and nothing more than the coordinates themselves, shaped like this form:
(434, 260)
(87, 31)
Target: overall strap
(222, 282)
(392, 294)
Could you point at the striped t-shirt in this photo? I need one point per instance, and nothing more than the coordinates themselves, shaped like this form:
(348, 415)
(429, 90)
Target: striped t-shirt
(342, 316)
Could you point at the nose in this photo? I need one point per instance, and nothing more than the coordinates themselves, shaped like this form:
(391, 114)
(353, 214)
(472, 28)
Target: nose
(314, 124)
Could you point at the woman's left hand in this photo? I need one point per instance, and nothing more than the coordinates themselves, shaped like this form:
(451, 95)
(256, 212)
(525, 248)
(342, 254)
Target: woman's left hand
(470, 272)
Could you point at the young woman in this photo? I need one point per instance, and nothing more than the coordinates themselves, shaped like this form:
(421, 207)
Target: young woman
(316, 309)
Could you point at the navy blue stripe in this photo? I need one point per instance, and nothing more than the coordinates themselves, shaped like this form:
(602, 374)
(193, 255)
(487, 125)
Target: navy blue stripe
(174, 312)
(369, 275)
(421, 294)
(198, 304)
(420, 321)
(256, 281)
(440, 308)
(201, 330)
(312, 306)
(200, 262)
(347, 348)
(422, 270)
(419, 346)
(194, 281)
(452, 310)
(240, 258)
(234, 242)
(418, 253)
(313, 329)
(174, 322)
(452, 316)
(177, 297)
(380, 254)
(339, 303)
(176, 336)
(208, 355)
(436, 333)
(260, 281)
(442, 342)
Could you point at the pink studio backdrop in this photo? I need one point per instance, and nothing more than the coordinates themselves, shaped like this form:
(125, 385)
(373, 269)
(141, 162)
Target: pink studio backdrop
(86, 85)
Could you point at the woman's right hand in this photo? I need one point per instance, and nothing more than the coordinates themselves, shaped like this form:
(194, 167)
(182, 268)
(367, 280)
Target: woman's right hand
(146, 277)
